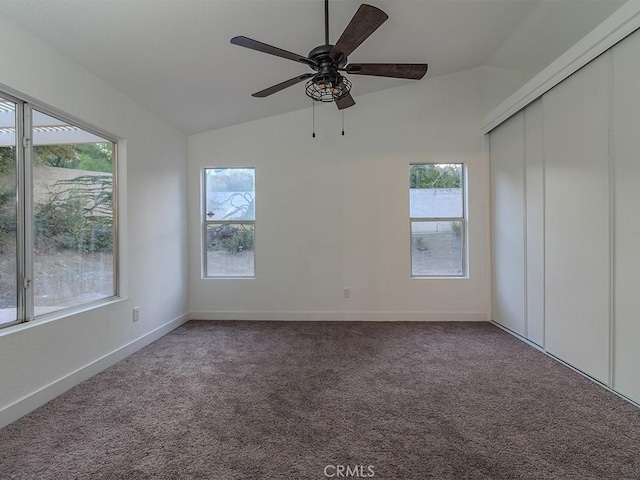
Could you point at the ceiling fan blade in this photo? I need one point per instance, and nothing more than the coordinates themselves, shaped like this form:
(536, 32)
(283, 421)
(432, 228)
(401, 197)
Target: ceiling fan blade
(366, 20)
(345, 102)
(281, 86)
(412, 71)
(270, 49)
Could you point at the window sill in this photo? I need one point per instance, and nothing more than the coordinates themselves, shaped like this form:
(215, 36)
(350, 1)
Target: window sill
(461, 277)
(59, 314)
(230, 277)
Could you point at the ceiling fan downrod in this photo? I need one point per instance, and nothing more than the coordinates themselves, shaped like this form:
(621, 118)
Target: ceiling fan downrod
(326, 22)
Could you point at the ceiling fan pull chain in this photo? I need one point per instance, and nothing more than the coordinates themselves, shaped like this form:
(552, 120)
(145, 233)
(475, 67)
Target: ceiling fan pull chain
(313, 116)
(343, 123)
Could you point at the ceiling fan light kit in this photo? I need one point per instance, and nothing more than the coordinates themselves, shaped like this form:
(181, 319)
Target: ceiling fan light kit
(327, 88)
(328, 84)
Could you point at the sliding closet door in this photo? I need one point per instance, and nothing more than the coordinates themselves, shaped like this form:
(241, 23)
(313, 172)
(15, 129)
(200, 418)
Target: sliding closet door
(507, 230)
(626, 127)
(577, 266)
(534, 175)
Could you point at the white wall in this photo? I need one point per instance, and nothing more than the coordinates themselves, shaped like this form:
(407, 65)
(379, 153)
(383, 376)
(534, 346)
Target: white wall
(332, 212)
(41, 360)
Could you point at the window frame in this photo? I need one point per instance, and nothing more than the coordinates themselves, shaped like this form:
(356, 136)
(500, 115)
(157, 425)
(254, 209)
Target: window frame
(25, 235)
(462, 220)
(20, 242)
(205, 222)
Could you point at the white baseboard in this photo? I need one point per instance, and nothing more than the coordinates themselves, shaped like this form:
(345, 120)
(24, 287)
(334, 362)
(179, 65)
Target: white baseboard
(38, 398)
(616, 392)
(344, 316)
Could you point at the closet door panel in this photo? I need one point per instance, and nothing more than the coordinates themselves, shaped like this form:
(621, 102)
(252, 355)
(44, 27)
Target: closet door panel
(626, 127)
(507, 229)
(534, 174)
(577, 267)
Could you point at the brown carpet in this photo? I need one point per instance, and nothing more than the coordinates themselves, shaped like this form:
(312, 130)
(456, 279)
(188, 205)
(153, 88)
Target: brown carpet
(276, 400)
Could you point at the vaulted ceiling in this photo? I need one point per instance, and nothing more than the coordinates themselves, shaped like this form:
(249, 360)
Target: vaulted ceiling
(174, 57)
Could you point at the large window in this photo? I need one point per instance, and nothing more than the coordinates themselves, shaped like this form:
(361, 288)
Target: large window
(57, 214)
(437, 218)
(229, 217)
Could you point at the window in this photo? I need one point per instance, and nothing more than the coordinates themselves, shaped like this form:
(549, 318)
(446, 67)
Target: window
(436, 210)
(229, 222)
(57, 214)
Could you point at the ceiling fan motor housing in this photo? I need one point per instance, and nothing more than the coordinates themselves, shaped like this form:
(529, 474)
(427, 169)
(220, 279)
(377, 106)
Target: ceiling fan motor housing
(322, 54)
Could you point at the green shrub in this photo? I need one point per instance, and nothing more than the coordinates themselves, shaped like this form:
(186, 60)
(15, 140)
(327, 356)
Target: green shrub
(5, 241)
(76, 215)
(7, 210)
(231, 238)
(421, 243)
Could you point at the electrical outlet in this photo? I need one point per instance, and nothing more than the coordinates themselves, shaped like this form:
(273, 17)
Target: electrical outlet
(136, 314)
(347, 292)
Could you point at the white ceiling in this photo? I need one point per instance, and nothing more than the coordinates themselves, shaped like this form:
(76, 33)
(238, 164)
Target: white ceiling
(174, 56)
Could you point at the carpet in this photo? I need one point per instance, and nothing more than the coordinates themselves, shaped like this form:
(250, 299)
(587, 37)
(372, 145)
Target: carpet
(317, 400)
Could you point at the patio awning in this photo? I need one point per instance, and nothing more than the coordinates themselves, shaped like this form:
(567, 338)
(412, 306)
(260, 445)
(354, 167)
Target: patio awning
(47, 130)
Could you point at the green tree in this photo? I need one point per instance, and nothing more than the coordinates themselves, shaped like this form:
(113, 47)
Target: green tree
(61, 156)
(7, 196)
(95, 157)
(435, 176)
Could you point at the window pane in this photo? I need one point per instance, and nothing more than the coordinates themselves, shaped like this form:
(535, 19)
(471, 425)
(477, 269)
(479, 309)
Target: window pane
(230, 250)
(230, 194)
(436, 191)
(436, 248)
(73, 215)
(8, 211)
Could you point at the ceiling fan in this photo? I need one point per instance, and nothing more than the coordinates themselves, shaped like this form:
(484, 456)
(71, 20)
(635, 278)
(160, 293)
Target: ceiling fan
(329, 62)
